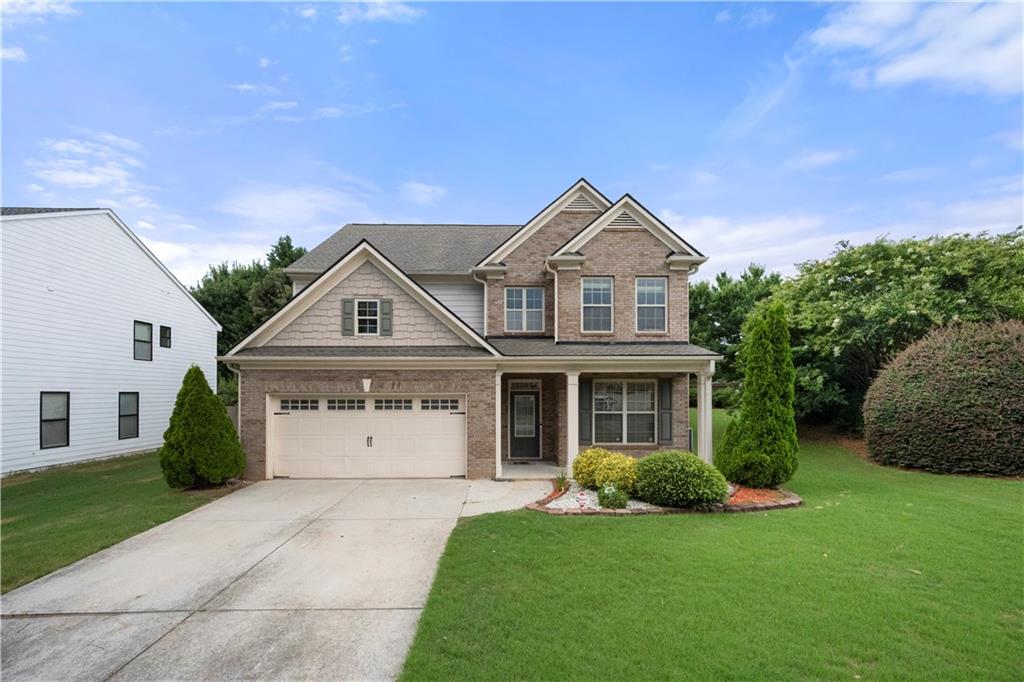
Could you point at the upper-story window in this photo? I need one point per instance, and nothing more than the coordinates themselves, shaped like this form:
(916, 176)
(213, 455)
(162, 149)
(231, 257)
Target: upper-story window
(367, 317)
(143, 341)
(651, 295)
(165, 336)
(597, 304)
(524, 309)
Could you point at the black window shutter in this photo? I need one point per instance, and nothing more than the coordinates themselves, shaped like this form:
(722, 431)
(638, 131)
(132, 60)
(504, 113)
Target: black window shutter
(586, 408)
(665, 411)
(385, 317)
(348, 317)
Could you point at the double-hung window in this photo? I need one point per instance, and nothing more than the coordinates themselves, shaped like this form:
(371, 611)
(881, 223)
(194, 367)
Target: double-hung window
(524, 309)
(143, 341)
(165, 336)
(597, 304)
(651, 293)
(127, 415)
(624, 412)
(367, 318)
(54, 419)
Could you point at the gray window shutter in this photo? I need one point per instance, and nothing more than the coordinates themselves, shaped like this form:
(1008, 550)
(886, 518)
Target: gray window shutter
(665, 411)
(586, 408)
(385, 317)
(348, 317)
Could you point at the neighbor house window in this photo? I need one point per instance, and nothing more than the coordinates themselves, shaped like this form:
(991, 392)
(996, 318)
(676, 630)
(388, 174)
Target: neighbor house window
(650, 304)
(165, 336)
(143, 341)
(597, 304)
(524, 309)
(624, 412)
(367, 317)
(54, 419)
(127, 415)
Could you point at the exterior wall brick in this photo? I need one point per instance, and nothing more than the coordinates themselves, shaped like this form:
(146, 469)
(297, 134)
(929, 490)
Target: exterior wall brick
(526, 268)
(477, 385)
(623, 254)
(320, 324)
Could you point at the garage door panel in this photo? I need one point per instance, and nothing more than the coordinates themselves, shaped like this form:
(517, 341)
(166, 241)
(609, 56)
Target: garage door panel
(368, 442)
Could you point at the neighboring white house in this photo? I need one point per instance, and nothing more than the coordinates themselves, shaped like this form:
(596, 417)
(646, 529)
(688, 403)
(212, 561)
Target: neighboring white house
(95, 337)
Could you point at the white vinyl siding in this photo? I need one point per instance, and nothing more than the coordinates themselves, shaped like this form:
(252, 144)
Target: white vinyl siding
(68, 325)
(465, 299)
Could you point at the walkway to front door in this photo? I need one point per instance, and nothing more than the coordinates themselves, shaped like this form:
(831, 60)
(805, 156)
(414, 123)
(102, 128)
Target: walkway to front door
(296, 579)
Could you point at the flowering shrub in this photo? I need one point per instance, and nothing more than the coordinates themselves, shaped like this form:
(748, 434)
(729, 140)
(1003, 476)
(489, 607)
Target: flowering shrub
(617, 470)
(584, 467)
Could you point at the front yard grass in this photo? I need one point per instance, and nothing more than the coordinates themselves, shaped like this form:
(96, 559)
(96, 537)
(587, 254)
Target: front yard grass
(883, 574)
(53, 518)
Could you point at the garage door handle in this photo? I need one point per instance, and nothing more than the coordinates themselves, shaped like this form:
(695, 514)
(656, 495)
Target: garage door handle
(281, 413)
(369, 441)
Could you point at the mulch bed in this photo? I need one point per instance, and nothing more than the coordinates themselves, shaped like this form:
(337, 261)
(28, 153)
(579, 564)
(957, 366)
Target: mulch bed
(742, 500)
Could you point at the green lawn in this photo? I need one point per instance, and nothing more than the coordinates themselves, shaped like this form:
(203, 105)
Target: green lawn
(883, 574)
(53, 518)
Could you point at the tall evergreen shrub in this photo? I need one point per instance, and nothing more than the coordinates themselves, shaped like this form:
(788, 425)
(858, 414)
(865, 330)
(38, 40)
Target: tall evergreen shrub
(760, 446)
(200, 445)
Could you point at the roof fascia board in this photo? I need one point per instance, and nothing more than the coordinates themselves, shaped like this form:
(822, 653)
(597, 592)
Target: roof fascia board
(361, 253)
(527, 230)
(645, 363)
(653, 225)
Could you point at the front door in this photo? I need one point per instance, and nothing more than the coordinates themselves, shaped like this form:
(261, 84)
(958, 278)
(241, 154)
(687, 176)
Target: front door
(524, 425)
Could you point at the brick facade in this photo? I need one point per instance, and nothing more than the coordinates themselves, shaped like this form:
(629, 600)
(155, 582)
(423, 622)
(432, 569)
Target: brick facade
(525, 268)
(320, 324)
(624, 255)
(477, 385)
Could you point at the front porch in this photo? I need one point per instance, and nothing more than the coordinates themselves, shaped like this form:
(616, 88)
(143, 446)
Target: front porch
(543, 419)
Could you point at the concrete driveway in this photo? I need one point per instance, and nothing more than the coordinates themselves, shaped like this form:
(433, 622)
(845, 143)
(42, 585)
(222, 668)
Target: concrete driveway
(285, 579)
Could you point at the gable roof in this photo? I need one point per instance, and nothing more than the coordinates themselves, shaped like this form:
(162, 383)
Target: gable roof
(627, 211)
(581, 196)
(416, 249)
(361, 253)
(32, 213)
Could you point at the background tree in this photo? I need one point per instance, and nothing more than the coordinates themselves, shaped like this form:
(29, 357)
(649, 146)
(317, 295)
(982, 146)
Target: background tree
(760, 445)
(200, 444)
(853, 312)
(284, 253)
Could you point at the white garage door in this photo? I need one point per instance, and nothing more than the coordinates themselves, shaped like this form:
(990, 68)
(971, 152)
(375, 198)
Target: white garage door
(403, 436)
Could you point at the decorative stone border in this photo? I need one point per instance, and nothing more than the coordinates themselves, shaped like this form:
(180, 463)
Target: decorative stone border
(791, 500)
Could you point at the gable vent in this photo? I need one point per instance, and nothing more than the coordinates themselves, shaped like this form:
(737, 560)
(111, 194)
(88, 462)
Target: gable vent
(624, 219)
(581, 203)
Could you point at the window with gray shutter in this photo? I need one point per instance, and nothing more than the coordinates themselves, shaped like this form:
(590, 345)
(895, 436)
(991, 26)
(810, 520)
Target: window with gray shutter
(586, 408)
(348, 317)
(385, 317)
(665, 411)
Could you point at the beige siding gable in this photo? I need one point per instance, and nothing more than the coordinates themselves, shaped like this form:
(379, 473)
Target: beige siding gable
(320, 324)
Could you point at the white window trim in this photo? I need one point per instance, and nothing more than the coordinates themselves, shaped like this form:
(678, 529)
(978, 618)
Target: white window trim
(637, 306)
(625, 411)
(610, 305)
(357, 316)
(543, 311)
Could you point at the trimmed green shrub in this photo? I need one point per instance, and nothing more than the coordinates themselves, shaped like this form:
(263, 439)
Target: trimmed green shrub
(679, 479)
(584, 467)
(759, 447)
(952, 402)
(617, 470)
(200, 444)
(611, 497)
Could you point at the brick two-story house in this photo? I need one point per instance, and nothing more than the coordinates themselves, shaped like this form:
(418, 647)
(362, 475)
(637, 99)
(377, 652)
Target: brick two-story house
(478, 350)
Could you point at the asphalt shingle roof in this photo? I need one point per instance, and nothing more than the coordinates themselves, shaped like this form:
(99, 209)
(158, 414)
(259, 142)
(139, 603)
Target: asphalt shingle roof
(416, 249)
(365, 352)
(547, 346)
(29, 210)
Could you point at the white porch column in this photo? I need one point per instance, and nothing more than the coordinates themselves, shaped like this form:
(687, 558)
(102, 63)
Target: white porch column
(704, 447)
(497, 424)
(572, 409)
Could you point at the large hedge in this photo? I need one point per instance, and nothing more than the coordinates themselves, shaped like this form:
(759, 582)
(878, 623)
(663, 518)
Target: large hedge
(952, 402)
(679, 479)
(760, 445)
(200, 445)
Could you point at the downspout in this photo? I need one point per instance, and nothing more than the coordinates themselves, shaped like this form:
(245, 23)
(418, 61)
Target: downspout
(484, 282)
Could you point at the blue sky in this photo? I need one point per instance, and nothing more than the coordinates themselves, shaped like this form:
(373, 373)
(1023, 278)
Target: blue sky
(761, 132)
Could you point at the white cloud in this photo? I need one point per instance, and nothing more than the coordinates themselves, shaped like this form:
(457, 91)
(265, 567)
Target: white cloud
(297, 206)
(98, 161)
(756, 17)
(336, 111)
(266, 62)
(254, 87)
(818, 158)
(723, 16)
(346, 53)
(35, 11)
(278, 106)
(145, 225)
(422, 193)
(378, 11)
(965, 47)
(705, 178)
(1012, 139)
(189, 261)
(307, 13)
(762, 98)
(14, 53)
(911, 175)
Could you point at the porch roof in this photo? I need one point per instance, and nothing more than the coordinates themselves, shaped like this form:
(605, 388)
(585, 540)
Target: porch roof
(549, 347)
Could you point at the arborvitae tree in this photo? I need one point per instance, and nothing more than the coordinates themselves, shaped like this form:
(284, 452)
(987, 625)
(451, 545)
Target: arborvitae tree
(760, 445)
(200, 445)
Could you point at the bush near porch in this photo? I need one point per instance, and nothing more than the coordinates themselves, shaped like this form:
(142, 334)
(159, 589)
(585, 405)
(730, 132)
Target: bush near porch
(667, 479)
